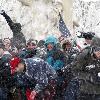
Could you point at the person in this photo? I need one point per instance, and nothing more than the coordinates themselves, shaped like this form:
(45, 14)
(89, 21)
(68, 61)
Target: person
(84, 84)
(41, 49)
(69, 51)
(4, 73)
(55, 56)
(4, 55)
(7, 44)
(33, 74)
(30, 50)
(9, 47)
(18, 36)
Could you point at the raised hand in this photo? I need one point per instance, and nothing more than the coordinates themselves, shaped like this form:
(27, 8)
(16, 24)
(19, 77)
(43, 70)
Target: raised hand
(2, 11)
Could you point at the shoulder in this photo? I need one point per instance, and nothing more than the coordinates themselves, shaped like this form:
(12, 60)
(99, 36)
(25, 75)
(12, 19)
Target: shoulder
(58, 51)
(34, 60)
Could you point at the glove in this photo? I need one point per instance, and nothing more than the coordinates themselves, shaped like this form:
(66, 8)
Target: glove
(2, 11)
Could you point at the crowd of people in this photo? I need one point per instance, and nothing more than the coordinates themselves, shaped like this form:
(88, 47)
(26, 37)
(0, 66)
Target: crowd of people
(49, 69)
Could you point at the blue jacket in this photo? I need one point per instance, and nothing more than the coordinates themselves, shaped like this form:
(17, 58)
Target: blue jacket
(38, 72)
(54, 57)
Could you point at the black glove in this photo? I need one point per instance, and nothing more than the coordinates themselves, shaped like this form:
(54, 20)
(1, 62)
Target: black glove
(2, 12)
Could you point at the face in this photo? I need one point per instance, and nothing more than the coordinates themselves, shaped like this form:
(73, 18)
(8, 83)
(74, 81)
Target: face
(7, 42)
(31, 46)
(88, 41)
(97, 54)
(68, 46)
(50, 47)
(1, 52)
(20, 67)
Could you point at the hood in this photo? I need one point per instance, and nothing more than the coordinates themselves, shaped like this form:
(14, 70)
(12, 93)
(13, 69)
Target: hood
(51, 39)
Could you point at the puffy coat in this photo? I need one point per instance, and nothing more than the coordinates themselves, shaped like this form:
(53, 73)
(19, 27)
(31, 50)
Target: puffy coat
(37, 74)
(55, 57)
(86, 69)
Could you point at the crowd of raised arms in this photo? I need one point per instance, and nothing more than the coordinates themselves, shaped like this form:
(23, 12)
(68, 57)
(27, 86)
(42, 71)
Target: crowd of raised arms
(49, 69)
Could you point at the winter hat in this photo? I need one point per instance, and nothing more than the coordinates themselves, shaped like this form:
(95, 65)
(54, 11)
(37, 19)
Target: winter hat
(51, 39)
(97, 49)
(14, 63)
(31, 41)
(41, 43)
(96, 42)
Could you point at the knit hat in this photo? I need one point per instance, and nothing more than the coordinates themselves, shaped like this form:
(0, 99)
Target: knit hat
(31, 41)
(14, 63)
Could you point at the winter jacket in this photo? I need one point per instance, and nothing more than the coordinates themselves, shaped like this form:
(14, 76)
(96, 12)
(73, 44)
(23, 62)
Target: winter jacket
(5, 72)
(54, 57)
(37, 74)
(27, 53)
(86, 69)
(70, 55)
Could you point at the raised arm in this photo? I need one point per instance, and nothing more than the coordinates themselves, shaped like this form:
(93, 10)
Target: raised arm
(15, 27)
(8, 19)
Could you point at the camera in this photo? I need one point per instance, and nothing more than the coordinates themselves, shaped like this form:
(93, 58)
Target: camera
(87, 35)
